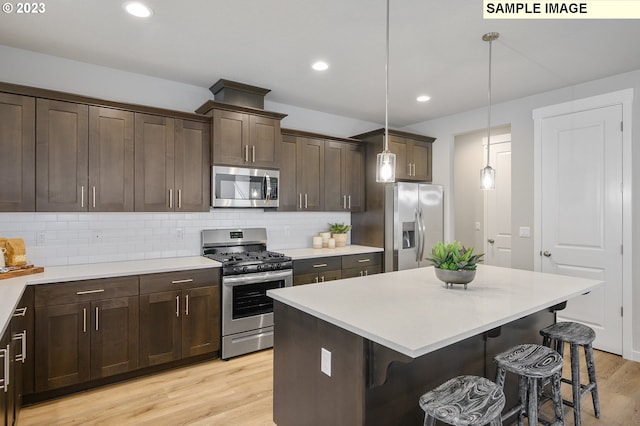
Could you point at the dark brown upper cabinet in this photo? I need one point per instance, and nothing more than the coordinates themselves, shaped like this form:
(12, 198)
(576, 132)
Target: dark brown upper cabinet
(413, 154)
(244, 137)
(172, 170)
(18, 148)
(320, 173)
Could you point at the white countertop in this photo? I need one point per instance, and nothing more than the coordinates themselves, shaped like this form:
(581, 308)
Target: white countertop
(309, 253)
(11, 289)
(413, 313)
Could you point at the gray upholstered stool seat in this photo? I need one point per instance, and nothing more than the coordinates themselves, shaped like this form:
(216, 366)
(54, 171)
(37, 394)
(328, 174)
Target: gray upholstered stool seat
(575, 334)
(533, 364)
(464, 401)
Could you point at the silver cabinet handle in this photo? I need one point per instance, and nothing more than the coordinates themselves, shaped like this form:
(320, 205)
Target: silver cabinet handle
(301, 200)
(84, 320)
(177, 306)
(344, 202)
(317, 280)
(319, 265)
(188, 280)
(93, 196)
(361, 274)
(364, 260)
(546, 253)
(253, 153)
(179, 198)
(246, 153)
(491, 241)
(306, 205)
(171, 198)
(22, 336)
(5, 354)
(366, 273)
(322, 279)
(82, 196)
(97, 319)
(186, 300)
(349, 198)
(20, 312)
(99, 290)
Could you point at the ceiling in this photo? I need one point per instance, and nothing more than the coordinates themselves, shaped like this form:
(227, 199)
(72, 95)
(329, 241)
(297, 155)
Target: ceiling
(436, 48)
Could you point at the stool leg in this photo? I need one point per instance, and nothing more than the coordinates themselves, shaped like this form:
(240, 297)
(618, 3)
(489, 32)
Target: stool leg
(546, 341)
(532, 413)
(575, 383)
(591, 369)
(429, 421)
(522, 385)
(557, 397)
(500, 373)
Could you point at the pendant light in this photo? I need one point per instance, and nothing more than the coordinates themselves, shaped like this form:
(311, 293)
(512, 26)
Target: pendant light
(488, 174)
(386, 160)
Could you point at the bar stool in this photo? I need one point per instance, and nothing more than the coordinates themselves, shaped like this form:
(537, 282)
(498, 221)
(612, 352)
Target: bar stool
(464, 401)
(576, 335)
(534, 364)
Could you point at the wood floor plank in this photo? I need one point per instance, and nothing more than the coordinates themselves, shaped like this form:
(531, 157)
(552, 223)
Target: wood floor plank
(240, 392)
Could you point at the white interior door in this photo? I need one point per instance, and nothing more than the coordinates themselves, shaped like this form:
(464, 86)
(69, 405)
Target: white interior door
(498, 205)
(581, 214)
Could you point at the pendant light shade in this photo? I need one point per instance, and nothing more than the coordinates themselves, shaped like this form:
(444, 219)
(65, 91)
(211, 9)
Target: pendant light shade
(386, 160)
(488, 174)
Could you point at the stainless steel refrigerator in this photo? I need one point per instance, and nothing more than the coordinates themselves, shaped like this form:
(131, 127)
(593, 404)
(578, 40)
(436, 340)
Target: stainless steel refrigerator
(407, 220)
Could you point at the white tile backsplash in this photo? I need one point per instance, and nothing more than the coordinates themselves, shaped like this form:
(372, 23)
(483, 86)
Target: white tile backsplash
(77, 238)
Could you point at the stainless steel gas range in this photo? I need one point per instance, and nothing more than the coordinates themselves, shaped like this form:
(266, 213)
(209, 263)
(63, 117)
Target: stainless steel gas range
(248, 271)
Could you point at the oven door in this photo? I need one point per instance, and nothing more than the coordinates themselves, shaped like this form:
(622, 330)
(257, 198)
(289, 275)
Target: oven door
(244, 187)
(245, 304)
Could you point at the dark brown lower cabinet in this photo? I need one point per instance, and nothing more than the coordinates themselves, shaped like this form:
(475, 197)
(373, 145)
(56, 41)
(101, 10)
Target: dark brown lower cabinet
(84, 341)
(179, 315)
(5, 375)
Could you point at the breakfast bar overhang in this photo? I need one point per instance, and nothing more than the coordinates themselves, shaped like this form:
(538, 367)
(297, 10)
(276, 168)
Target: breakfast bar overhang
(361, 351)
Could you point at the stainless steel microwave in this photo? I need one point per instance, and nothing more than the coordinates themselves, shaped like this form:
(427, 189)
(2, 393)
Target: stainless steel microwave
(244, 187)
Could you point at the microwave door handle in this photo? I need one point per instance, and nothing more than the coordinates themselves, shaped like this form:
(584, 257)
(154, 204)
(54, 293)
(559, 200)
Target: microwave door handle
(267, 188)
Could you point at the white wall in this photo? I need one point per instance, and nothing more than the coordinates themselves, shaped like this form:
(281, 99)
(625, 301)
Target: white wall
(517, 113)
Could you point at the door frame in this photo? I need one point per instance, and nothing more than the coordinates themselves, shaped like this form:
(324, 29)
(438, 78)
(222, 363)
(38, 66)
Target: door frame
(624, 98)
(497, 139)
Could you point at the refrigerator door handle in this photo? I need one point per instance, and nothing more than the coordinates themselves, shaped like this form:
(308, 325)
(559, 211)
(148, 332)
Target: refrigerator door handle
(423, 236)
(418, 235)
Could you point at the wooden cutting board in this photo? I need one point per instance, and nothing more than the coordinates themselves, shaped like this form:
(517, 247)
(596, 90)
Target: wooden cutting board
(23, 270)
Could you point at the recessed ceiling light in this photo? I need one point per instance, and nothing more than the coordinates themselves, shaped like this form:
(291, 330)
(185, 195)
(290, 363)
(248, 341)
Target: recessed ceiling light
(423, 98)
(320, 66)
(137, 9)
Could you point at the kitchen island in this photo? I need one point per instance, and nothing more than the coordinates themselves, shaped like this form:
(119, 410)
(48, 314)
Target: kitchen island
(361, 351)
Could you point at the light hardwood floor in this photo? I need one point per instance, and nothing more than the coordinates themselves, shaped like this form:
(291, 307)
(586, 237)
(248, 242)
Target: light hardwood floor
(240, 392)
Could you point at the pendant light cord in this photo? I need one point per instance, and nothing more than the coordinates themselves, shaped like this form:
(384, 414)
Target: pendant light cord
(386, 89)
(489, 110)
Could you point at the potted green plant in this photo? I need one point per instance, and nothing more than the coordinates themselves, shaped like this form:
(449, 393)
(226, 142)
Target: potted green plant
(454, 263)
(339, 233)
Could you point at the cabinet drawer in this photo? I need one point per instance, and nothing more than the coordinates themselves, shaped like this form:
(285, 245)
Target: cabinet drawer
(84, 291)
(361, 260)
(317, 265)
(179, 280)
(362, 271)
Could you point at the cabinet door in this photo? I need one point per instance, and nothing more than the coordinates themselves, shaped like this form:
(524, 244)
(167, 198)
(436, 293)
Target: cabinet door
(302, 279)
(230, 138)
(310, 177)
(18, 147)
(421, 158)
(287, 190)
(62, 156)
(335, 196)
(4, 375)
(354, 177)
(154, 163)
(110, 160)
(114, 336)
(264, 142)
(160, 328)
(200, 322)
(22, 328)
(399, 146)
(62, 347)
(192, 171)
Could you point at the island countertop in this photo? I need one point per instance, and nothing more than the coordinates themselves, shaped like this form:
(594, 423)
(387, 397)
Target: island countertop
(413, 313)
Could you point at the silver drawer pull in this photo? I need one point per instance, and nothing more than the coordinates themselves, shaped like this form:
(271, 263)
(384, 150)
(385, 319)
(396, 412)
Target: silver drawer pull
(80, 293)
(364, 260)
(20, 312)
(188, 280)
(320, 265)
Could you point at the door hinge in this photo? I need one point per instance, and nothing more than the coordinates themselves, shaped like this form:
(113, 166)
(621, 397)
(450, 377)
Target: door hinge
(622, 249)
(622, 126)
(621, 311)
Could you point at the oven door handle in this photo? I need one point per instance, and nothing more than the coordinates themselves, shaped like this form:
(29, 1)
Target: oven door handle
(256, 277)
